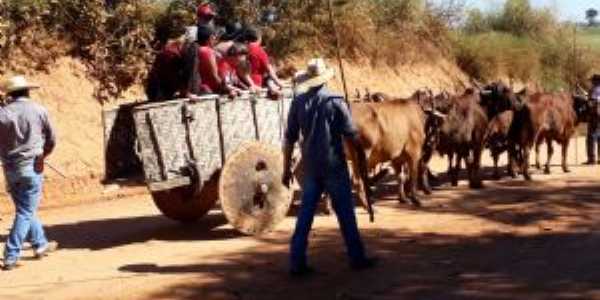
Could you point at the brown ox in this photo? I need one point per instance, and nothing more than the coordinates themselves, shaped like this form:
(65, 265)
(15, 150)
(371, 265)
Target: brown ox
(391, 131)
(497, 140)
(462, 135)
(555, 118)
(544, 117)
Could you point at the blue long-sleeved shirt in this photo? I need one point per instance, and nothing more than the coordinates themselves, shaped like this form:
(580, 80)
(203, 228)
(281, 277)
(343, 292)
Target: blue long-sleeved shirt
(324, 120)
(25, 132)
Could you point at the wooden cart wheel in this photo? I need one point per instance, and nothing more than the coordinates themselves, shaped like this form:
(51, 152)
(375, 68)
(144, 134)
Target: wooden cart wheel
(186, 205)
(252, 196)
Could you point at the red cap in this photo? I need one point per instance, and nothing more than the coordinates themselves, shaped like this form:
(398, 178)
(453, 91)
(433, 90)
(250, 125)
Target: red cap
(205, 10)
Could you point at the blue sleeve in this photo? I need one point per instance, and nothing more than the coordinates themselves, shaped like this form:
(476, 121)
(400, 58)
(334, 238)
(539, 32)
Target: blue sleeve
(344, 118)
(292, 132)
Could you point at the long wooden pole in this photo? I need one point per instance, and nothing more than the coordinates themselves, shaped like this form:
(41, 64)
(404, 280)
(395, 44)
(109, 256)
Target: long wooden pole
(338, 51)
(365, 180)
(574, 88)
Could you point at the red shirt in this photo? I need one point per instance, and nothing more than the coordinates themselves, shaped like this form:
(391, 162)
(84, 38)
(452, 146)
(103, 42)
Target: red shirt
(209, 84)
(259, 62)
(228, 71)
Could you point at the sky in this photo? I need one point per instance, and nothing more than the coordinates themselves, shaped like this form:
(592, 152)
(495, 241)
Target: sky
(572, 10)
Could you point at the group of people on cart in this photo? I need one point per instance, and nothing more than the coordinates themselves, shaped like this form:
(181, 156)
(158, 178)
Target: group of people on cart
(210, 59)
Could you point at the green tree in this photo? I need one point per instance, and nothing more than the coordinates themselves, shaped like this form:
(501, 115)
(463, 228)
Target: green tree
(591, 15)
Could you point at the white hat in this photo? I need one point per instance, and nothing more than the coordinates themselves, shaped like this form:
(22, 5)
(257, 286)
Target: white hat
(317, 73)
(17, 83)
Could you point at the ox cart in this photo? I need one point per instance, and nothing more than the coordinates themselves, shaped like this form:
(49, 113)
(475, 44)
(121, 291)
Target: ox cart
(192, 153)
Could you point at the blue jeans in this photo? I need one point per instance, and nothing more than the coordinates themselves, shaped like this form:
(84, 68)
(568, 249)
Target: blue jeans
(593, 141)
(337, 185)
(25, 187)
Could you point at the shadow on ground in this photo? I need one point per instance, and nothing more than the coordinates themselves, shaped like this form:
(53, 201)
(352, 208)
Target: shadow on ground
(430, 266)
(110, 233)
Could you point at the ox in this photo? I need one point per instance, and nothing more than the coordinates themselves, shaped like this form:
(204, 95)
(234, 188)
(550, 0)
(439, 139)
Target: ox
(555, 118)
(462, 135)
(542, 117)
(394, 131)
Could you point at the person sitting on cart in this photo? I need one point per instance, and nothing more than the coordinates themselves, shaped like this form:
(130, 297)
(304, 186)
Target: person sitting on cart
(228, 69)
(234, 35)
(262, 72)
(210, 82)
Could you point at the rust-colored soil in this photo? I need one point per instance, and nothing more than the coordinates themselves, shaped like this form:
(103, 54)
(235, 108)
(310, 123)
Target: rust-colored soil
(511, 240)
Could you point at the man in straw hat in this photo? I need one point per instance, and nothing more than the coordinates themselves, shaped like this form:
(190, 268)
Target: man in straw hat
(324, 121)
(26, 138)
(593, 134)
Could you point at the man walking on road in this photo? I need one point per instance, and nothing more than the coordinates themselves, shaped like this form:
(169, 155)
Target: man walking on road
(324, 121)
(26, 138)
(593, 134)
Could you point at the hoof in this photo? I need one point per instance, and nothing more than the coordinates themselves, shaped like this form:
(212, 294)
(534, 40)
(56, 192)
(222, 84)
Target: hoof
(427, 191)
(455, 183)
(538, 166)
(567, 170)
(547, 171)
(527, 177)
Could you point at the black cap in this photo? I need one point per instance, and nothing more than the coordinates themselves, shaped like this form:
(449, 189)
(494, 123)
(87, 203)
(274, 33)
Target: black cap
(233, 30)
(205, 32)
(251, 34)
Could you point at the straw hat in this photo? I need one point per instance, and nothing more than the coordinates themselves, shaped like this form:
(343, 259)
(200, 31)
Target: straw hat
(316, 74)
(17, 83)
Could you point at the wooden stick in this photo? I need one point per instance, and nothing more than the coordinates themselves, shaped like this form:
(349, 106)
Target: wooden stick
(338, 52)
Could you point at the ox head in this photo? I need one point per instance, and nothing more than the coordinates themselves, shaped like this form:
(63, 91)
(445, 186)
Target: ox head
(434, 118)
(497, 98)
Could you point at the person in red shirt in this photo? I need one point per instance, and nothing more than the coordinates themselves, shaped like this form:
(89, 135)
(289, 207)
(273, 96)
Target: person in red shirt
(262, 72)
(228, 69)
(210, 82)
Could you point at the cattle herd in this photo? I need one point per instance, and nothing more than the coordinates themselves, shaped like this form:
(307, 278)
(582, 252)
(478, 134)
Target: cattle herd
(406, 132)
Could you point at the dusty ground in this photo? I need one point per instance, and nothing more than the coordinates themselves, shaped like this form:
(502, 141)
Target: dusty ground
(511, 240)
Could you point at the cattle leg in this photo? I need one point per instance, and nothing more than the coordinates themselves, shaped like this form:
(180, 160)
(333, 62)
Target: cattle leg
(474, 166)
(525, 163)
(454, 172)
(495, 157)
(413, 179)
(549, 158)
(424, 178)
(565, 152)
(537, 155)
(397, 165)
(512, 160)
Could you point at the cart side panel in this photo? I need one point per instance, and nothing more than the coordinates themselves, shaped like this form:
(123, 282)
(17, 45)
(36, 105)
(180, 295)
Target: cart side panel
(238, 124)
(162, 138)
(205, 137)
(272, 116)
(120, 159)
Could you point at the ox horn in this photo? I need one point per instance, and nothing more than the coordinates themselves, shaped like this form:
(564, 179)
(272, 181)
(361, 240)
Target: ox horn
(357, 93)
(582, 90)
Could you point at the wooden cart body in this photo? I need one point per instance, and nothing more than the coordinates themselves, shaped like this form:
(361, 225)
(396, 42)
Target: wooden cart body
(185, 143)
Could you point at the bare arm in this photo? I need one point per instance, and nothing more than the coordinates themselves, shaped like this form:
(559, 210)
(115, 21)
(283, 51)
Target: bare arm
(273, 75)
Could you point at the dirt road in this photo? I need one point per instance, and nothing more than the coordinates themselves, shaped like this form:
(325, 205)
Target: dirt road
(511, 240)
